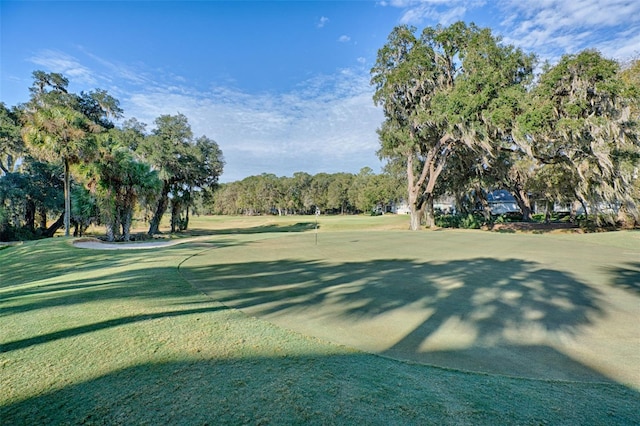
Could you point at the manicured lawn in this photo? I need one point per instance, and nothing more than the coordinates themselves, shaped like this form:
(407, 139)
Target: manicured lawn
(154, 336)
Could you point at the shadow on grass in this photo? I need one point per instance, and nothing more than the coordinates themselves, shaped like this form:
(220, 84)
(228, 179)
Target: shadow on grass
(324, 389)
(627, 276)
(56, 274)
(494, 297)
(76, 331)
(263, 229)
(508, 292)
(533, 227)
(131, 284)
(430, 311)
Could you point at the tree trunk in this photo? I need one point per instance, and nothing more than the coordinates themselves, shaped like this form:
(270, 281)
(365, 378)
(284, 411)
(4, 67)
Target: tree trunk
(416, 217)
(429, 214)
(175, 215)
(112, 223)
(416, 208)
(67, 198)
(110, 231)
(421, 190)
(54, 227)
(486, 210)
(184, 226)
(548, 208)
(524, 203)
(163, 203)
(42, 217)
(586, 211)
(30, 215)
(574, 211)
(460, 206)
(583, 203)
(127, 215)
(77, 228)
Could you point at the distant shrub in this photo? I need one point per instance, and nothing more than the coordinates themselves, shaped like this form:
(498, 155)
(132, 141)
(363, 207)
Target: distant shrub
(469, 221)
(538, 217)
(14, 233)
(501, 219)
(448, 221)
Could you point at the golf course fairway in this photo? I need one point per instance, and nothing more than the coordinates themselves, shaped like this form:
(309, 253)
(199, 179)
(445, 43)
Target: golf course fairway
(272, 321)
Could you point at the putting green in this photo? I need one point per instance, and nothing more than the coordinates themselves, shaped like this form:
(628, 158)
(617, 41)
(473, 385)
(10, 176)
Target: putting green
(560, 307)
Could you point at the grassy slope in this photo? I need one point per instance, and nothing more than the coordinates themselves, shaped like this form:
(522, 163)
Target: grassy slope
(121, 337)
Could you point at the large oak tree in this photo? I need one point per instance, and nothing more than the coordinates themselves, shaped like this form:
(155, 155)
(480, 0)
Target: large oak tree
(449, 89)
(183, 165)
(582, 122)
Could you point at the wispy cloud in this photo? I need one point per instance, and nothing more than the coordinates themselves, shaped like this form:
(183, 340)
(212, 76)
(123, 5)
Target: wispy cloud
(117, 71)
(328, 123)
(90, 70)
(322, 22)
(555, 27)
(344, 39)
(550, 28)
(70, 67)
(444, 12)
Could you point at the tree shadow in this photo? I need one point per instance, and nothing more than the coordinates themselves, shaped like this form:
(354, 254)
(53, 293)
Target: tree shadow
(89, 328)
(27, 269)
(322, 389)
(495, 299)
(626, 276)
(492, 310)
(54, 274)
(262, 229)
(509, 291)
(534, 227)
(130, 283)
(76, 275)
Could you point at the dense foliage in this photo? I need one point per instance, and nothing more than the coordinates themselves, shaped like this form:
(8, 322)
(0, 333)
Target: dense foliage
(464, 114)
(61, 154)
(338, 193)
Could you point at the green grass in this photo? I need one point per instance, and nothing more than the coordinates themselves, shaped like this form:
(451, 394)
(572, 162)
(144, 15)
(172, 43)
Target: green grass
(141, 337)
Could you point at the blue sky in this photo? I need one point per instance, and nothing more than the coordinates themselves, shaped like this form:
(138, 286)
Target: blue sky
(282, 86)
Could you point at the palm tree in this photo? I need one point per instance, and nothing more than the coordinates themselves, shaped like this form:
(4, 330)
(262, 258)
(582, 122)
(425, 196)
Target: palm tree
(61, 133)
(121, 181)
(62, 126)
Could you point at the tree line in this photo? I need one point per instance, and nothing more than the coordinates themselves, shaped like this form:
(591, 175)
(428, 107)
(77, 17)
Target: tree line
(61, 154)
(465, 113)
(337, 193)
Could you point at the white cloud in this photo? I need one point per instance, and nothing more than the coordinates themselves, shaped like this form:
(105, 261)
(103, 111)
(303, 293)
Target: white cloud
(452, 15)
(630, 49)
(328, 123)
(555, 27)
(443, 12)
(322, 22)
(550, 28)
(118, 71)
(344, 39)
(70, 67)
